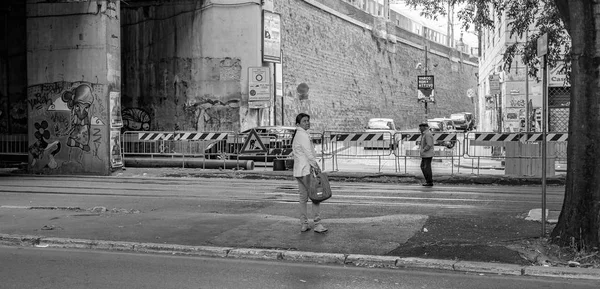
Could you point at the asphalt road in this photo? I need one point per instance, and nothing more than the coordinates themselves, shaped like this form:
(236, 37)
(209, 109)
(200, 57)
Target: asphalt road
(64, 269)
(447, 222)
(273, 196)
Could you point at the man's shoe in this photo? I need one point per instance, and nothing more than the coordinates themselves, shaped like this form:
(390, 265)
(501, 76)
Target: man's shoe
(304, 228)
(320, 229)
(427, 185)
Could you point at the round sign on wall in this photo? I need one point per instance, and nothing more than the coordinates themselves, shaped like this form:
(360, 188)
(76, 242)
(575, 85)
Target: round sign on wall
(302, 90)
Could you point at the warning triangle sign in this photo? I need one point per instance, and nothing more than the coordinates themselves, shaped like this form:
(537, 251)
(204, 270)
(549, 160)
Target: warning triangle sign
(253, 144)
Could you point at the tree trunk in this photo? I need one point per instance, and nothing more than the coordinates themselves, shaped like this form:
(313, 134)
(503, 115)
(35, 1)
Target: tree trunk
(579, 221)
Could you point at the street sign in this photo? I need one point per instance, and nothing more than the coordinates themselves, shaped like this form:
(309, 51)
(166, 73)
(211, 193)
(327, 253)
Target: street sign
(542, 45)
(425, 88)
(425, 82)
(259, 84)
(253, 144)
(426, 95)
(271, 37)
(494, 84)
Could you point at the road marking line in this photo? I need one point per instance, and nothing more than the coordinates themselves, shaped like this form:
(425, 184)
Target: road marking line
(15, 207)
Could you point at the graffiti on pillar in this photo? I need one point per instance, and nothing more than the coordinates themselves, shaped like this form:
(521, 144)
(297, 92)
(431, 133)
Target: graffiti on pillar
(41, 148)
(79, 102)
(67, 117)
(135, 119)
(215, 115)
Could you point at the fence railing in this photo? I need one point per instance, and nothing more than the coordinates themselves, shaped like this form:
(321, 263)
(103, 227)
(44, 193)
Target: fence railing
(385, 147)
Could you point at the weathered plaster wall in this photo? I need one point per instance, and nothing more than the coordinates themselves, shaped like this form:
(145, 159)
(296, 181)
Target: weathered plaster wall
(71, 61)
(355, 73)
(185, 64)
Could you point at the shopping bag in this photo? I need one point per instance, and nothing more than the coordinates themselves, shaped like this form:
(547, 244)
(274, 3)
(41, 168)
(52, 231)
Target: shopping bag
(318, 187)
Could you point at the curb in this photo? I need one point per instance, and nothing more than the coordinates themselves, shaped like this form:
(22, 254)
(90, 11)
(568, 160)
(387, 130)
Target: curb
(370, 261)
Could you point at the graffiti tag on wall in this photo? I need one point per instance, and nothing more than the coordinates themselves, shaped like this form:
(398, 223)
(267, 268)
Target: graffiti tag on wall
(67, 117)
(135, 119)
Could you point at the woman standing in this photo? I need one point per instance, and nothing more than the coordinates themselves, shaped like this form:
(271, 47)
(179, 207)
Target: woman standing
(304, 162)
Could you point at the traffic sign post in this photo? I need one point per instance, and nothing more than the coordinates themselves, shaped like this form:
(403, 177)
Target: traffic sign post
(253, 144)
(426, 90)
(259, 84)
(542, 50)
(426, 86)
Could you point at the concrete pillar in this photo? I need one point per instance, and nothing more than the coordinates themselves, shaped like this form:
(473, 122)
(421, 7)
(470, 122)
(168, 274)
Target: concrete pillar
(73, 79)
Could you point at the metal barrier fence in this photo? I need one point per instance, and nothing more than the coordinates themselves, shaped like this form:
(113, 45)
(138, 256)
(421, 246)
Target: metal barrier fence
(156, 143)
(385, 147)
(14, 148)
(358, 145)
(490, 144)
(268, 146)
(11, 144)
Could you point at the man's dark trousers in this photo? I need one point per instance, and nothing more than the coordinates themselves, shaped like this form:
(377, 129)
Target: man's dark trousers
(426, 169)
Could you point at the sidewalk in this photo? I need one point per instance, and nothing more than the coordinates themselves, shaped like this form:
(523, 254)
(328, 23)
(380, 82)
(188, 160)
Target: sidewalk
(493, 246)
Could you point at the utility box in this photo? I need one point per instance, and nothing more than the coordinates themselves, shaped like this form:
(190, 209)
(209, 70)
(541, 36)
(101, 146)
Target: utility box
(525, 159)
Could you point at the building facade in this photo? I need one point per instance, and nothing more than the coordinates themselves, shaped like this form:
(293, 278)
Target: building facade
(509, 99)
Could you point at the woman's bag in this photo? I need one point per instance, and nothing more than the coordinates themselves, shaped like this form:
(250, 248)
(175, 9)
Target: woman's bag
(318, 187)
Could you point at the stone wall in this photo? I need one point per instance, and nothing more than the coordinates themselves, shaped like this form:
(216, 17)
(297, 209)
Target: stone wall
(354, 73)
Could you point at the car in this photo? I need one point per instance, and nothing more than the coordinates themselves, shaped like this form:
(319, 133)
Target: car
(440, 125)
(463, 121)
(385, 125)
(277, 140)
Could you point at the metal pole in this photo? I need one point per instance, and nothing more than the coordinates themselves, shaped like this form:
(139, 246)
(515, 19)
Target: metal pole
(426, 66)
(274, 94)
(527, 120)
(544, 130)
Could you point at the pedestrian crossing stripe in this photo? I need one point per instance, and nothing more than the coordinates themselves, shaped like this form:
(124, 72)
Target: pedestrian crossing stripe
(190, 136)
(436, 137)
(253, 144)
(522, 137)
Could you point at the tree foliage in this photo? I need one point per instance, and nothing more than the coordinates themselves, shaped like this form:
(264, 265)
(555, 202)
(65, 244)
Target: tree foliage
(529, 18)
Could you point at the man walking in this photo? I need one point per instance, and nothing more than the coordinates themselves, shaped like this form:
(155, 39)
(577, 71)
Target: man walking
(426, 151)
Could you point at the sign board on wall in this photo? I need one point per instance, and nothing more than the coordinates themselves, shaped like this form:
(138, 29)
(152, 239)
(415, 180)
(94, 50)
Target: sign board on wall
(271, 37)
(115, 109)
(259, 84)
(116, 156)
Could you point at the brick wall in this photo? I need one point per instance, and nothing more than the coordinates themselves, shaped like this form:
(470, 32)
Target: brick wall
(354, 75)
